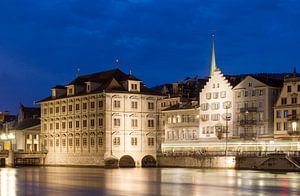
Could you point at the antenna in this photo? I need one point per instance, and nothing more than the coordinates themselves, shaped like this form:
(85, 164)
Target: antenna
(78, 72)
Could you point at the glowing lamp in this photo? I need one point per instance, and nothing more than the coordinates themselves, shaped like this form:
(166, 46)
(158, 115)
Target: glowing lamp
(294, 125)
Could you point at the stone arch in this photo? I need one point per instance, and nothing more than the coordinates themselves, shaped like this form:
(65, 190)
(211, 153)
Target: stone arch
(148, 161)
(111, 162)
(126, 161)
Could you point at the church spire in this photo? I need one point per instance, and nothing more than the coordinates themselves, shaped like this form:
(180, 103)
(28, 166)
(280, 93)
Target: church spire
(213, 65)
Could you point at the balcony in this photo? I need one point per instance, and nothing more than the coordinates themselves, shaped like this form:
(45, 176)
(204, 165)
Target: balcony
(248, 109)
(248, 135)
(248, 122)
(291, 133)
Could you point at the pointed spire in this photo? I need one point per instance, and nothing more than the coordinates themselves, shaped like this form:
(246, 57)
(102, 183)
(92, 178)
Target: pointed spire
(117, 63)
(213, 65)
(295, 73)
(78, 72)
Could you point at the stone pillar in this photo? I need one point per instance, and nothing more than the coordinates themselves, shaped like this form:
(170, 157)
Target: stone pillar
(10, 160)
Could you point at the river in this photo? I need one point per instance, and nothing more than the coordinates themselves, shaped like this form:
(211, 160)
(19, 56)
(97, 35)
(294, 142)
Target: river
(145, 181)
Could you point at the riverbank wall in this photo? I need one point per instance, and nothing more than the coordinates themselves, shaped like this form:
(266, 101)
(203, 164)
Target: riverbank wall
(197, 162)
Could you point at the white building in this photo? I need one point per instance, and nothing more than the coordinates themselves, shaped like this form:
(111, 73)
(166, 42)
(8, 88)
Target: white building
(216, 103)
(101, 119)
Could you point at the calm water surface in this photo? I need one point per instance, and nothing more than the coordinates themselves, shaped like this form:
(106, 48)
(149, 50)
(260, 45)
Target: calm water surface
(138, 182)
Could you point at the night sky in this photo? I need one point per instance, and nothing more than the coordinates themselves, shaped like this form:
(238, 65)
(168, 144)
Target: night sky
(43, 42)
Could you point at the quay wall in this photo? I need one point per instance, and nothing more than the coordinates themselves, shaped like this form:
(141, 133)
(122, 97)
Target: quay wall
(197, 162)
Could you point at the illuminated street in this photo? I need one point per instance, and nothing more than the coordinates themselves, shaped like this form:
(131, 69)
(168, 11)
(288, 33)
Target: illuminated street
(138, 182)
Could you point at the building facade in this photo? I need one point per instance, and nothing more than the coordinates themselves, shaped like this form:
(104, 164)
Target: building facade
(101, 117)
(254, 99)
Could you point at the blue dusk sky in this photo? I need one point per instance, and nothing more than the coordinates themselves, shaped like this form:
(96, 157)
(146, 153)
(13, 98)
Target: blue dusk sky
(43, 42)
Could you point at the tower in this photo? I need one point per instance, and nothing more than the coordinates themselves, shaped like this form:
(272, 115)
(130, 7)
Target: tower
(213, 65)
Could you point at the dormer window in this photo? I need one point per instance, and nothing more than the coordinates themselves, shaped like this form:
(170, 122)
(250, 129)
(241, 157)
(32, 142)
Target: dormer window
(133, 86)
(88, 88)
(70, 91)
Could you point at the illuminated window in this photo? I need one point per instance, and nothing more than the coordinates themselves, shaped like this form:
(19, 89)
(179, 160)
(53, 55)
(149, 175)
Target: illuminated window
(223, 94)
(294, 100)
(278, 114)
(208, 95)
(77, 123)
(63, 125)
(70, 108)
(216, 95)
(77, 106)
(133, 141)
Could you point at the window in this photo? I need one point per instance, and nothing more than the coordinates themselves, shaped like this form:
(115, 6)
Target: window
(215, 117)
(57, 110)
(84, 142)
(51, 142)
(92, 105)
(116, 140)
(289, 89)
(294, 100)
(45, 111)
(77, 123)
(70, 91)
(215, 95)
(84, 106)
(70, 108)
(84, 123)
(77, 142)
(51, 126)
(226, 104)
(261, 92)
(117, 104)
(285, 126)
(63, 109)
(150, 105)
(57, 126)
(246, 93)
(134, 123)
(285, 114)
(92, 141)
(88, 87)
(223, 94)
(100, 104)
(249, 84)
(70, 142)
(239, 94)
(133, 86)
(77, 107)
(63, 125)
(294, 113)
(208, 95)
(63, 142)
(134, 104)
(117, 122)
(133, 141)
(45, 127)
(298, 88)
(70, 124)
(151, 123)
(150, 141)
(215, 106)
(57, 142)
(51, 110)
(100, 141)
(100, 121)
(283, 101)
(204, 106)
(253, 93)
(92, 122)
(278, 114)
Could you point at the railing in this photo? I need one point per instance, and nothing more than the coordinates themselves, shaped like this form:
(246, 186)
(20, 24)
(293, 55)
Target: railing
(248, 122)
(231, 153)
(247, 135)
(248, 109)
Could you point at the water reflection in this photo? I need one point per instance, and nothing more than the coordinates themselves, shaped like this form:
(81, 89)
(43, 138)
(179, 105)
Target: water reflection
(138, 182)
